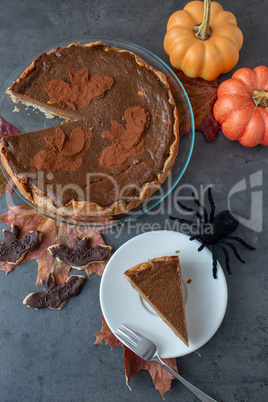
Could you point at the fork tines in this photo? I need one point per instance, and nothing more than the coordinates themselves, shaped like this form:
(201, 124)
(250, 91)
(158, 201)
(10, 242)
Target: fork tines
(128, 336)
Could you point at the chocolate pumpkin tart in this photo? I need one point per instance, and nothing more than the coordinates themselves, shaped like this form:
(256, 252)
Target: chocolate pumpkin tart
(119, 140)
(159, 282)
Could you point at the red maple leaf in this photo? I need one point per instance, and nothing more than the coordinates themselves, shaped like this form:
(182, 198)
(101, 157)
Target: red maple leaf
(202, 95)
(133, 363)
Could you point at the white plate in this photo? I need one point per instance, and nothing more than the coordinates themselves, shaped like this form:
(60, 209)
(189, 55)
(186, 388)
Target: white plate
(205, 298)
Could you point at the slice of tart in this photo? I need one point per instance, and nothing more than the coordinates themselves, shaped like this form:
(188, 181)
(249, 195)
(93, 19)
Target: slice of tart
(128, 125)
(159, 282)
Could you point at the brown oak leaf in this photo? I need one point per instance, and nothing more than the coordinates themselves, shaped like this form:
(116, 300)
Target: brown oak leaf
(202, 95)
(133, 363)
(81, 90)
(28, 219)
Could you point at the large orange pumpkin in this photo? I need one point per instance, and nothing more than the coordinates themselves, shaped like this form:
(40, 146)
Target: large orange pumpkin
(242, 106)
(203, 40)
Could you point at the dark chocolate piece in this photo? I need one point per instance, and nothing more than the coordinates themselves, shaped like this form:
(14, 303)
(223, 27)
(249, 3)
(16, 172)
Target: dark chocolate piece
(55, 296)
(13, 249)
(80, 256)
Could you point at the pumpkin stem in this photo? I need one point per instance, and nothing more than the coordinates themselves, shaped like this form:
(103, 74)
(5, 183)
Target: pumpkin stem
(202, 31)
(260, 98)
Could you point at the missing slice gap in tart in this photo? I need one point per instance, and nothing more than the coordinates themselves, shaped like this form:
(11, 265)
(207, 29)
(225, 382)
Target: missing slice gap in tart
(118, 143)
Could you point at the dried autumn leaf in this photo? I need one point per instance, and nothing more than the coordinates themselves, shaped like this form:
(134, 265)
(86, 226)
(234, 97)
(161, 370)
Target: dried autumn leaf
(28, 219)
(133, 363)
(161, 377)
(4, 185)
(105, 334)
(6, 129)
(202, 95)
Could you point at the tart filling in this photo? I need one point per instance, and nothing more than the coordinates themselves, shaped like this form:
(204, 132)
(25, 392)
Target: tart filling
(120, 144)
(159, 282)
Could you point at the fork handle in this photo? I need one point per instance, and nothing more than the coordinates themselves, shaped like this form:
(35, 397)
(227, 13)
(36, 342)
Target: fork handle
(200, 395)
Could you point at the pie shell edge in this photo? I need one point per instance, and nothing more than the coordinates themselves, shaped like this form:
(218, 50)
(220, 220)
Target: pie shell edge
(74, 208)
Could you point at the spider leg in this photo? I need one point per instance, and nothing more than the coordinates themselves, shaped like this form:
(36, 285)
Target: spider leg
(214, 261)
(226, 255)
(196, 237)
(198, 203)
(188, 209)
(200, 248)
(234, 250)
(241, 241)
(212, 205)
(199, 238)
(190, 223)
(227, 259)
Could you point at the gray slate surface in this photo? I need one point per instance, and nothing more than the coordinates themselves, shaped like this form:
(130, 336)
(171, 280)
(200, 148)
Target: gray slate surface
(49, 355)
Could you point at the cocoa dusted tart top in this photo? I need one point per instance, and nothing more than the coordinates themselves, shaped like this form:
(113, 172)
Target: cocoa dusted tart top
(159, 282)
(120, 140)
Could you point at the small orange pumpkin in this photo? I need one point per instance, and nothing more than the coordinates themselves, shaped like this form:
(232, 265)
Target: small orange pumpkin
(242, 106)
(203, 40)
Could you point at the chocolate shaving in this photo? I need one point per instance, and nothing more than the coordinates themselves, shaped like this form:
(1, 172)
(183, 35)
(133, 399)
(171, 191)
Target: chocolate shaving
(55, 296)
(13, 249)
(80, 256)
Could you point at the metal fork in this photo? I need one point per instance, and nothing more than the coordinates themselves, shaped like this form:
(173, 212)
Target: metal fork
(147, 350)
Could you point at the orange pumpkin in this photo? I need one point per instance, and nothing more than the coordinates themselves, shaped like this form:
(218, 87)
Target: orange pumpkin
(242, 106)
(203, 40)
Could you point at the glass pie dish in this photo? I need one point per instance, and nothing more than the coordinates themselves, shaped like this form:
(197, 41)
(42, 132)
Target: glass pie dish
(27, 118)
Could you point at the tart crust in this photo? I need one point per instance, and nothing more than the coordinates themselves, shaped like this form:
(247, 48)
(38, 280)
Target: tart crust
(158, 281)
(73, 207)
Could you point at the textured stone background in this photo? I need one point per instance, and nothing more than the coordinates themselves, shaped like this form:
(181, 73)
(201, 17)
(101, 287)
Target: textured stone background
(49, 355)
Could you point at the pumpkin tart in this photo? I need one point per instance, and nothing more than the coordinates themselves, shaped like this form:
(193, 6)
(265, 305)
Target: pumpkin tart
(118, 142)
(159, 282)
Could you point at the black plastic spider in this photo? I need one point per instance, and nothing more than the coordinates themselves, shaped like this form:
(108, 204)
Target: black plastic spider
(214, 231)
